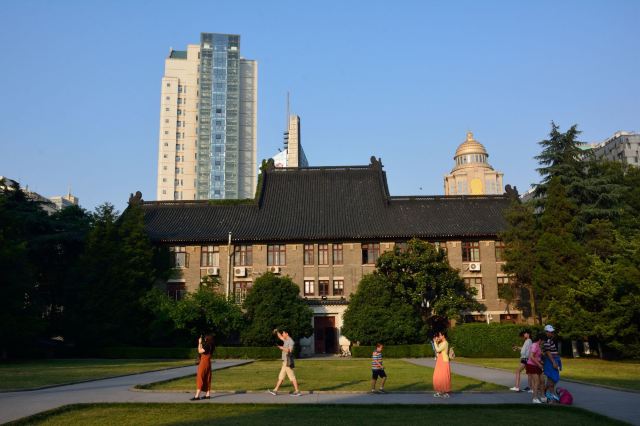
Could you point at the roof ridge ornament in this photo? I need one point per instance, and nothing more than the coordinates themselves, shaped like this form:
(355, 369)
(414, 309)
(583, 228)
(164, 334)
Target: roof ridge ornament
(135, 199)
(375, 163)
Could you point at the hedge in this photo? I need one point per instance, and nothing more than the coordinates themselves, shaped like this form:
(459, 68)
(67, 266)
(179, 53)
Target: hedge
(467, 340)
(187, 353)
(394, 351)
(487, 340)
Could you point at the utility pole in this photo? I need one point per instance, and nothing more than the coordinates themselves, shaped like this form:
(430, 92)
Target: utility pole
(229, 254)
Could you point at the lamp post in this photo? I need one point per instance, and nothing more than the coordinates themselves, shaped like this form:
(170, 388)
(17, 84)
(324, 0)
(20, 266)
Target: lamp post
(229, 254)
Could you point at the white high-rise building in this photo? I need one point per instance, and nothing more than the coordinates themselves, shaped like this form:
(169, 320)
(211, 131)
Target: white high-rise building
(208, 122)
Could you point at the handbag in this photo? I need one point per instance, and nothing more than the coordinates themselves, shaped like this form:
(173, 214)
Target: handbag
(289, 362)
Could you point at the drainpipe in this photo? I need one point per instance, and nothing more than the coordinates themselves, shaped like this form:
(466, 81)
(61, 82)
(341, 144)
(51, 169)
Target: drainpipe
(229, 254)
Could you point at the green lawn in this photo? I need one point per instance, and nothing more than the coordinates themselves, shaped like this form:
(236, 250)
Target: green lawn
(34, 374)
(330, 375)
(622, 374)
(344, 415)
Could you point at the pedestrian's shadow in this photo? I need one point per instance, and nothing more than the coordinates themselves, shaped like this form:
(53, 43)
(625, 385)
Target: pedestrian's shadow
(342, 385)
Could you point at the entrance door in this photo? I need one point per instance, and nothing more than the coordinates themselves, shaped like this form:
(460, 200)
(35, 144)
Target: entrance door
(324, 332)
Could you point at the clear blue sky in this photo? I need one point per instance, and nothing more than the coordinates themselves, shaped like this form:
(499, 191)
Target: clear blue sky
(400, 80)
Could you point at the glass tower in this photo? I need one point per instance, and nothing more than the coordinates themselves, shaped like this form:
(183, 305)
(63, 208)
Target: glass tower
(226, 164)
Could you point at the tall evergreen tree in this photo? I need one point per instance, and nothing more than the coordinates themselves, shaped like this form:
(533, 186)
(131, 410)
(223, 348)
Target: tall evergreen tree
(562, 158)
(520, 242)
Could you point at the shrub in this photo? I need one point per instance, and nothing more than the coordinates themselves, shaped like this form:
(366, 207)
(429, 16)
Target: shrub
(487, 340)
(395, 351)
(221, 352)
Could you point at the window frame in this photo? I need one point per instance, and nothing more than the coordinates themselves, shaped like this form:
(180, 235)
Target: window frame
(276, 254)
(372, 250)
(469, 250)
(212, 256)
(323, 254)
(309, 287)
(499, 248)
(243, 255)
(337, 254)
(308, 254)
(323, 288)
(338, 287)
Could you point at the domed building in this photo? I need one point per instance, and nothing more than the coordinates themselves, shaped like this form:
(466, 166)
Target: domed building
(472, 174)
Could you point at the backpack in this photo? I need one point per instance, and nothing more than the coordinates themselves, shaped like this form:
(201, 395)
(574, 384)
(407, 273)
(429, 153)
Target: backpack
(452, 354)
(565, 396)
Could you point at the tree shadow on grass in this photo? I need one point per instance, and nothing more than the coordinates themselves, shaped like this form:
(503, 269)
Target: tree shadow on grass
(474, 386)
(413, 387)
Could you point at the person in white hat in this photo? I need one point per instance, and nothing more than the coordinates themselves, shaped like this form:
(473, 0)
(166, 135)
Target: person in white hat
(552, 363)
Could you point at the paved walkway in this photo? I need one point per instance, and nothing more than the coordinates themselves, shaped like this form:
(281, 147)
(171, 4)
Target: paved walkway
(617, 404)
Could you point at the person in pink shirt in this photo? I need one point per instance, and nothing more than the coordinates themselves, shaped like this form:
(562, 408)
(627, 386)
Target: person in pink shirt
(534, 369)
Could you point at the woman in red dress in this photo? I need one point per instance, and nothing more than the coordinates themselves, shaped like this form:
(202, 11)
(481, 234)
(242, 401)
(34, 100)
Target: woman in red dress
(442, 372)
(203, 378)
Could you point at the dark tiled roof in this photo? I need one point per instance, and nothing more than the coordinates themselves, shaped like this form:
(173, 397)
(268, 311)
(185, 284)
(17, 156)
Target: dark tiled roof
(330, 203)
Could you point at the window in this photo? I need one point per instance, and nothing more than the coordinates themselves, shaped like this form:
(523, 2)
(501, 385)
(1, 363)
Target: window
(441, 245)
(323, 254)
(477, 284)
(499, 251)
(179, 257)
(276, 255)
(402, 246)
(166, 120)
(308, 254)
(338, 287)
(337, 253)
(309, 287)
(243, 255)
(471, 251)
(168, 84)
(167, 109)
(323, 288)
(209, 256)
(505, 289)
(176, 291)
(370, 253)
(168, 98)
(240, 291)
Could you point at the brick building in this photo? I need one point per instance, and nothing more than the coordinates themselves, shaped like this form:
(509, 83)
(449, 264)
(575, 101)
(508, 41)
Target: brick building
(325, 227)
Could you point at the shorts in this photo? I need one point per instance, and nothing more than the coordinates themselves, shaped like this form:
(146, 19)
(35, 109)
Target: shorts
(533, 369)
(378, 373)
(523, 361)
(288, 371)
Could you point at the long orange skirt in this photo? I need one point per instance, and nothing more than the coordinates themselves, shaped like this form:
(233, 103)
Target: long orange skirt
(442, 376)
(203, 378)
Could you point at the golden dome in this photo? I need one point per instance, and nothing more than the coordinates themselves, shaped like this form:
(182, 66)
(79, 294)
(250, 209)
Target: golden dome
(470, 146)
(470, 154)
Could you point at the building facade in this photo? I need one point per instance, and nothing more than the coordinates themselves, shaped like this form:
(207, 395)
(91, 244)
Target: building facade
(208, 122)
(472, 174)
(293, 154)
(623, 147)
(325, 227)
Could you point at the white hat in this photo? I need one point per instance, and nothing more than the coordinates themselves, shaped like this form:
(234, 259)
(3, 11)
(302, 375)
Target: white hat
(549, 328)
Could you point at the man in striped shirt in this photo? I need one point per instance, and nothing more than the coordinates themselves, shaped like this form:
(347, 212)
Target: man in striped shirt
(377, 369)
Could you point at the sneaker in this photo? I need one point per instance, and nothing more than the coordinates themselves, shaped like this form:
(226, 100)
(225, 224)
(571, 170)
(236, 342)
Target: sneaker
(536, 401)
(515, 389)
(373, 391)
(543, 399)
(382, 391)
(527, 389)
(445, 395)
(272, 392)
(297, 393)
(530, 391)
(437, 395)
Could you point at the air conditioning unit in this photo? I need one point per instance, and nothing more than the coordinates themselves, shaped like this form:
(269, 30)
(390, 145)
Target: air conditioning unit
(215, 271)
(474, 266)
(240, 271)
(274, 269)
